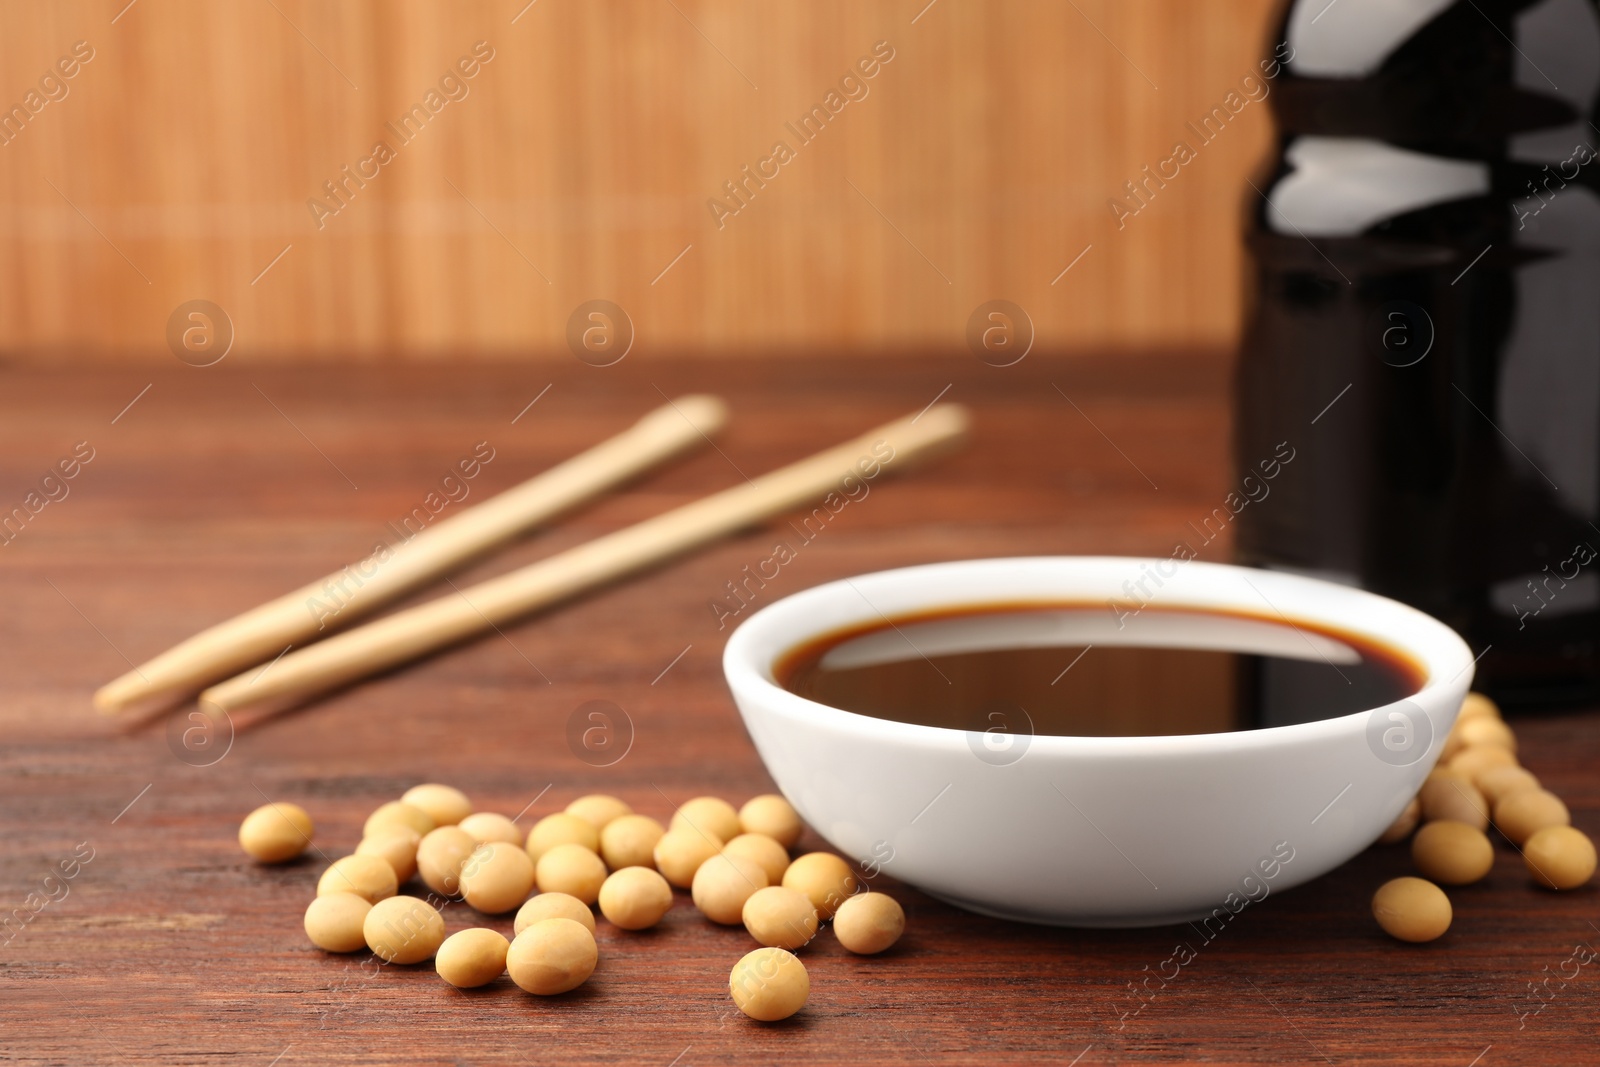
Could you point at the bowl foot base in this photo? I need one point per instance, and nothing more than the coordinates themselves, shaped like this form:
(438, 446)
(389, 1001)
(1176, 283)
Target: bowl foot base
(1096, 922)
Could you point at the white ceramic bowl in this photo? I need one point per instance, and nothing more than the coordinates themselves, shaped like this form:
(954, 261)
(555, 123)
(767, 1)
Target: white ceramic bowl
(1097, 831)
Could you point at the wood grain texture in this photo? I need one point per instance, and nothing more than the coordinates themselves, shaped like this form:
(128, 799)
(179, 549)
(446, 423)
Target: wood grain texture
(202, 499)
(580, 164)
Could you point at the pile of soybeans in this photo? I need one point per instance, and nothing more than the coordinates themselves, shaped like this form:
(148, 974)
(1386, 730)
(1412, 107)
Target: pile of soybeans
(1477, 781)
(735, 863)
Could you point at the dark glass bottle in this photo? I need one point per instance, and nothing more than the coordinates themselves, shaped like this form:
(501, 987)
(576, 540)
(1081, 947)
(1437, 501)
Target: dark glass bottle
(1425, 325)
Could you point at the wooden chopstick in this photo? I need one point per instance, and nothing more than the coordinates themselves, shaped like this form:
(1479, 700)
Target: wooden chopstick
(417, 631)
(258, 635)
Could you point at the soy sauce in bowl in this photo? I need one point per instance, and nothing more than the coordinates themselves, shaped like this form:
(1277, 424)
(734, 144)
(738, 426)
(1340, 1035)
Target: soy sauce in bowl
(1077, 669)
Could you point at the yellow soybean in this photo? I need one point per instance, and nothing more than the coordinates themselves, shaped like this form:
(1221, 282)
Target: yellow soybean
(487, 827)
(1560, 857)
(397, 813)
(397, 846)
(1411, 909)
(403, 930)
(274, 833)
(365, 876)
(780, 917)
(1476, 706)
(440, 857)
(1475, 759)
(1487, 731)
(598, 809)
(630, 841)
(1497, 783)
(472, 958)
(1521, 815)
(764, 851)
(723, 884)
(635, 898)
(769, 984)
(1403, 824)
(1452, 853)
(1451, 796)
(553, 906)
(680, 853)
(868, 923)
(561, 829)
(496, 877)
(552, 956)
(709, 815)
(333, 922)
(571, 869)
(825, 879)
(444, 804)
(772, 815)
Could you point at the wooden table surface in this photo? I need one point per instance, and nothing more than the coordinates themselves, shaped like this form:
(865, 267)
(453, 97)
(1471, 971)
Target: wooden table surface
(222, 487)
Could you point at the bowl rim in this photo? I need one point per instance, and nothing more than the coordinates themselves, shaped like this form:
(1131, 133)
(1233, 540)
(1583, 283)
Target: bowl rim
(1439, 650)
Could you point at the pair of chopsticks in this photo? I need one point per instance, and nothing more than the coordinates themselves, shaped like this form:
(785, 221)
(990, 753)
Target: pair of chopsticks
(278, 641)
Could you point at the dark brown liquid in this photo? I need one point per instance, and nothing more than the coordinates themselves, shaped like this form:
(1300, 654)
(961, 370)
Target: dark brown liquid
(1000, 666)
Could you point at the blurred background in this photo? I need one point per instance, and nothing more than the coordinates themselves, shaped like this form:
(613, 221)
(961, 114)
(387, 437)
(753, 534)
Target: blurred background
(229, 153)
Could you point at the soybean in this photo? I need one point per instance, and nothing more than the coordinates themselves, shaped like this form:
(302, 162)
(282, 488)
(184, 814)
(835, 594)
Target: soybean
(275, 833)
(403, 930)
(397, 813)
(366, 876)
(868, 923)
(553, 906)
(1487, 731)
(444, 804)
(769, 984)
(723, 884)
(571, 869)
(1403, 824)
(779, 917)
(1521, 815)
(397, 846)
(1497, 783)
(496, 877)
(1475, 706)
(1411, 909)
(488, 827)
(598, 809)
(635, 898)
(1475, 759)
(1560, 857)
(472, 958)
(333, 922)
(561, 829)
(766, 852)
(552, 956)
(710, 815)
(825, 879)
(630, 841)
(440, 857)
(1452, 852)
(680, 853)
(1450, 796)
(772, 815)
